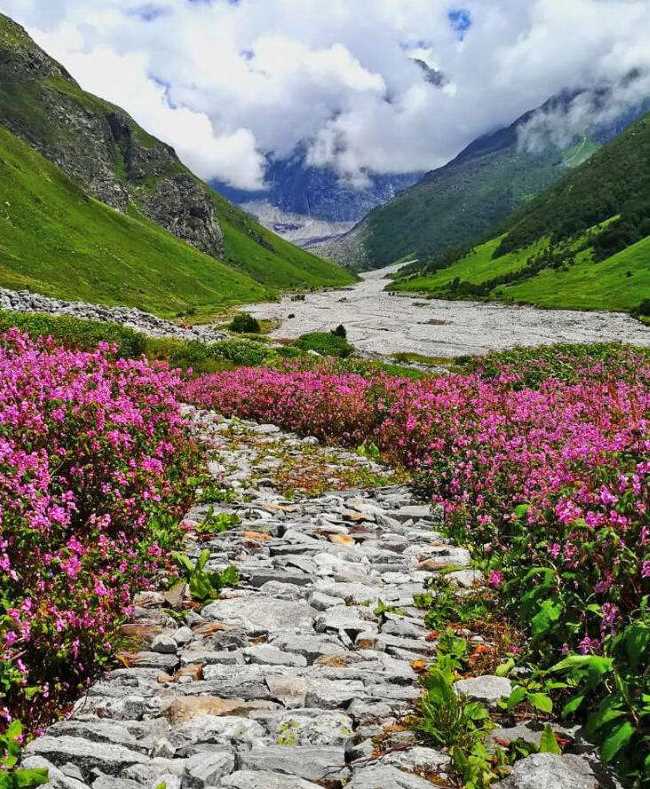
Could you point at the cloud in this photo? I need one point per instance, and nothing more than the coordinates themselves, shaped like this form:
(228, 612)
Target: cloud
(230, 83)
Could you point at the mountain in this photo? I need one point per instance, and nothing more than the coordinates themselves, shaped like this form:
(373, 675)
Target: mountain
(459, 204)
(107, 186)
(584, 243)
(303, 202)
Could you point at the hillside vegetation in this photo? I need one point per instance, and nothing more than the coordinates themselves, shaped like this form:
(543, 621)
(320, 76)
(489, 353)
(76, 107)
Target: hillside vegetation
(583, 244)
(57, 240)
(170, 244)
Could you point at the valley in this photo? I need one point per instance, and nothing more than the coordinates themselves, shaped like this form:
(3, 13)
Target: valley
(378, 322)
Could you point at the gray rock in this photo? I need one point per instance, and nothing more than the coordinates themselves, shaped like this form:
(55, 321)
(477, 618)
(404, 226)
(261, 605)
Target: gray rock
(260, 614)
(313, 764)
(85, 754)
(282, 591)
(164, 644)
(548, 771)
(386, 777)
(310, 727)
(183, 636)
(271, 655)
(213, 728)
(487, 688)
(418, 758)
(332, 694)
(254, 779)
(205, 770)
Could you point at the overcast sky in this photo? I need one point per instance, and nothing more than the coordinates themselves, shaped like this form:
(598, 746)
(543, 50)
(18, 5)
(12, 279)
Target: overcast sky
(229, 81)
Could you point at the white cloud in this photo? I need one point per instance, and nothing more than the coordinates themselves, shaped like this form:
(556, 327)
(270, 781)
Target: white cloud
(227, 83)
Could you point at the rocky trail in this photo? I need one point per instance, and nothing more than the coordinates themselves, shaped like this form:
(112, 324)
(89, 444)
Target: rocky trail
(303, 675)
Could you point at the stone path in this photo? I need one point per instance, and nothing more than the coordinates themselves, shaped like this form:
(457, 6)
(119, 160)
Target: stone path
(303, 675)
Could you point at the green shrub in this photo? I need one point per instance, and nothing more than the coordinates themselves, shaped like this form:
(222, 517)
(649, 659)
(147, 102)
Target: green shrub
(75, 333)
(244, 323)
(325, 343)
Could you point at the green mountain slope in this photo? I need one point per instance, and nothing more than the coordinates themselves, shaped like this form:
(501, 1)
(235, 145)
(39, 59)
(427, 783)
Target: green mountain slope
(56, 240)
(110, 158)
(582, 244)
(463, 202)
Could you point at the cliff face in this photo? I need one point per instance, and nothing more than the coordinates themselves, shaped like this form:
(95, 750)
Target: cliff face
(99, 145)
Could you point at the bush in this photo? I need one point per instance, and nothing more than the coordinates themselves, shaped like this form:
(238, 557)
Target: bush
(77, 333)
(94, 455)
(325, 344)
(643, 308)
(340, 331)
(244, 323)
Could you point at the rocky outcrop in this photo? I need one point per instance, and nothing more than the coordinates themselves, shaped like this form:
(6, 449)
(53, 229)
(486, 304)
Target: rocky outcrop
(24, 301)
(98, 145)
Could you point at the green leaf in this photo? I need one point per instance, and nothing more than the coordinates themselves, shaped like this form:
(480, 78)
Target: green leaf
(541, 702)
(595, 664)
(517, 696)
(548, 742)
(544, 620)
(617, 740)
(36, 776)
(573, 705)
(505, 668)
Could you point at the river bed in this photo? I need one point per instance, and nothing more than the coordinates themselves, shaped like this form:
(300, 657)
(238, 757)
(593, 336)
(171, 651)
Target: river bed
(382, 323)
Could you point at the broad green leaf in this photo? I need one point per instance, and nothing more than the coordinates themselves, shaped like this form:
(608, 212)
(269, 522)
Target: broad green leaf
(505, 668)
(573, 705)
(543, 621)
(548, 743)
(541, 702)
(517, 696)
(617, 740)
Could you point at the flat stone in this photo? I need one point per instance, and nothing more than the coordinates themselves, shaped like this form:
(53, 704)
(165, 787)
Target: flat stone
(164, 644)
(332, 694)
(466, 578)
(313, 764)
(271, 655)
(85, 753)
(311, 646)
(206, 769)
(260, 614)
(211, 728)
(254, 779)
(310, 727)
(185, 708)
(155, 660)
(386, 777)
(418, 758)
(289, 691)
(487, 688)
(548, 771)
(282, 591)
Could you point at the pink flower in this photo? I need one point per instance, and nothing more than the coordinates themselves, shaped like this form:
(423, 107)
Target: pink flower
(495, 579)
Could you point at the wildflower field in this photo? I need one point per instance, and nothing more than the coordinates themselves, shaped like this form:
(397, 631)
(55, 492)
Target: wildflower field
(92, 450)
(541, 461)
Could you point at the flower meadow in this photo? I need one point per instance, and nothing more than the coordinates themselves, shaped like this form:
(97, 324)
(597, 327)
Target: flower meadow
(541, 463)
(92, 450)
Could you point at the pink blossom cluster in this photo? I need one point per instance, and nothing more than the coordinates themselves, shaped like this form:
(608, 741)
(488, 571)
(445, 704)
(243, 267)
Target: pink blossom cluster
(90, 448)
(565, 462)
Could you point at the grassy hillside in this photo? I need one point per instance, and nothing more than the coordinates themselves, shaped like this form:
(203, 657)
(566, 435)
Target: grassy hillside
(472, 197)
(127, 257)
(54, 239)
(570, 279)
(614, 181)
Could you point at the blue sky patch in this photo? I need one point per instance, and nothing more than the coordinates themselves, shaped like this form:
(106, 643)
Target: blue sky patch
(460, 20)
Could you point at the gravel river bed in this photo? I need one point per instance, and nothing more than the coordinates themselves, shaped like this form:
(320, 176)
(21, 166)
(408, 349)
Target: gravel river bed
(378, 322)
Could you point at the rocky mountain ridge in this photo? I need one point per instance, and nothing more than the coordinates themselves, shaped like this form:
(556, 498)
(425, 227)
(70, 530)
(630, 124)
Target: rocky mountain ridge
(99, 145)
